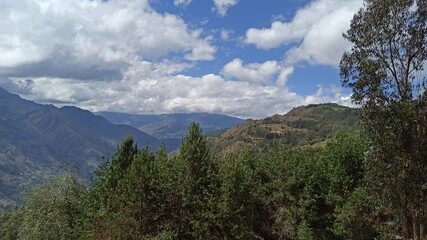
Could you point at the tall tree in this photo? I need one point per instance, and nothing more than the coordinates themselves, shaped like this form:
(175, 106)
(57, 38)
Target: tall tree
(197, 184)
(237, 197)
(106, 196)
(389, 51)
(385, 70)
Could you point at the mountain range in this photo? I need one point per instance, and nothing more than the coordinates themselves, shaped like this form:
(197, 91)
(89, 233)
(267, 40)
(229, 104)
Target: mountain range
(172, 126)
(38, 141)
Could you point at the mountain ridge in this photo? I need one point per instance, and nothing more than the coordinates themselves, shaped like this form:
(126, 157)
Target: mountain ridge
(172, 126)
(37, 140)
(304, 125)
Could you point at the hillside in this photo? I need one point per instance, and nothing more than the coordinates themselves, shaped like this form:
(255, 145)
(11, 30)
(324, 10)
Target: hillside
(36, 141)
(307, 125)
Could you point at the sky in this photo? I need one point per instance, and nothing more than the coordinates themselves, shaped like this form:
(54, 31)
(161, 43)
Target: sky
(244, 58)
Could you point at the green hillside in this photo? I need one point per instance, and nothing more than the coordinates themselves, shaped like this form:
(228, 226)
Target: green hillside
(306, 125)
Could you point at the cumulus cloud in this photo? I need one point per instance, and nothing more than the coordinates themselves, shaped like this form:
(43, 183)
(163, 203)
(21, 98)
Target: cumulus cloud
(315, 29)
(331, 94)
(254, 72)
(222, 6)
(53, 38)
(324, 44)
(146, 88)
(202, 50)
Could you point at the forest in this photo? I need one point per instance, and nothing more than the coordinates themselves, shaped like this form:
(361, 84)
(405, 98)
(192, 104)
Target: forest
(369, 184)
(283, 194)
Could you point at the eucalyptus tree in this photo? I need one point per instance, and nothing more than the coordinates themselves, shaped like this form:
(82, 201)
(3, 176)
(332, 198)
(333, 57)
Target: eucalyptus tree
(385, 68)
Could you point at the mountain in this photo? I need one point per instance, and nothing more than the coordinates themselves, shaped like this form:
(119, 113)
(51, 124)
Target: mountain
(37, 140)
(172, 126)
(302, 126)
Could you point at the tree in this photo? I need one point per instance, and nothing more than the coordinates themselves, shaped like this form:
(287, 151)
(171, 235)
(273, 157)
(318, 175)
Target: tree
(106, 199)
(53, 210)
(238, 203)
(384, 69)
(342, 163)
(389, 51)
(197, 185)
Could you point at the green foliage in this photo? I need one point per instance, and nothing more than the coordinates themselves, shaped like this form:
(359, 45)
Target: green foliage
(384, 71)
(106, 199)
(143, 196)
(396, 167)
(286, 176)
(307, 189)
(304, 123)
(342, 162)
(352, 217)
(238, 204)
(194, 155)
(52, 211)
(196, 185)
(389, 51)
(287, 193)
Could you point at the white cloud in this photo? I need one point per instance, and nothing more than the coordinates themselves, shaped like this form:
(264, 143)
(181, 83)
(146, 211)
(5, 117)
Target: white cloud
(254, 72)
(146, 88)
(279, 33)
(316, 30)
(103, 35)
(181, 2)
(285, 73)
(331, 94)
(324, 43)
(202, 50)
(222, 6)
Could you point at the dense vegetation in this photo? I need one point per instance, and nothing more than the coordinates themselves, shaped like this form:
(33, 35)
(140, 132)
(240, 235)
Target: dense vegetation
(311, 193)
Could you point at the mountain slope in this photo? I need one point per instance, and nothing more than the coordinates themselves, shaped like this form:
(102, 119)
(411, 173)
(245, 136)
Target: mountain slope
(98, 124)
(307, 125)
(172, 126)
(37, 140)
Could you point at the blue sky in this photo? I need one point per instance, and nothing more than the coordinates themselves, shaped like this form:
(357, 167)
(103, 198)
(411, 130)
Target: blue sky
(245, 58)
(238, 19)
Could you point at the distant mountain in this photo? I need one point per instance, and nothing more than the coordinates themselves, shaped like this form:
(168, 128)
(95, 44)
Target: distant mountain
(36, 141)
(172, 126)
(302, 126)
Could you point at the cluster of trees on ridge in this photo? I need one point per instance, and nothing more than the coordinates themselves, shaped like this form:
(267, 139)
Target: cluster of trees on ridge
(369, 185)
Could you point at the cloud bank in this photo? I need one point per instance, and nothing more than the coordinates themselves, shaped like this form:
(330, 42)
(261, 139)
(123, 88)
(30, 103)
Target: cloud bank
(157, 93)
(85, 35)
